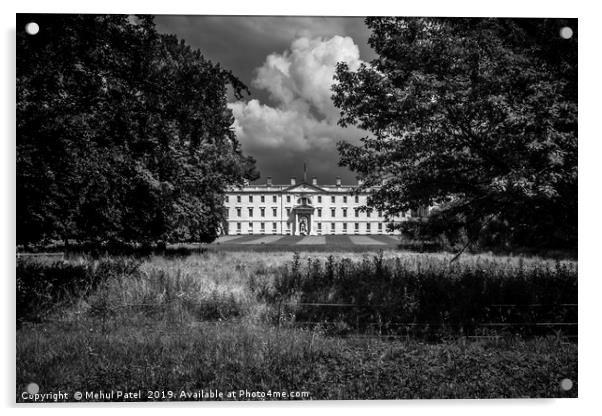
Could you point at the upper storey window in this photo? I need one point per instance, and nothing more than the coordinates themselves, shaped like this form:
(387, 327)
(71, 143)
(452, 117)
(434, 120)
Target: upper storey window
(274, 199)
(332, 199)
(238, 199)
(304, 201)
(262, 198)
(250, 198)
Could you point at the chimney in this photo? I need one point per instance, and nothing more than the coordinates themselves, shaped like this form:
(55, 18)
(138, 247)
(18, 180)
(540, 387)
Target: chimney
(293, 180)
(269, 181)
(338, 181)
(314, 181)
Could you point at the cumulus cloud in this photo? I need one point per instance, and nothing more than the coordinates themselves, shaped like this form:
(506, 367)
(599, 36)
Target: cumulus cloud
(304, 74)
(301, 120)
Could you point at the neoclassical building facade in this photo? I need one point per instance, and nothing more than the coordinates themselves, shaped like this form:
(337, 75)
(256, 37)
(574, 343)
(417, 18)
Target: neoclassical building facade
(304, 208)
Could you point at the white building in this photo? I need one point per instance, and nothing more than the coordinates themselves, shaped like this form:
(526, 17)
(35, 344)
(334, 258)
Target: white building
(302, 209)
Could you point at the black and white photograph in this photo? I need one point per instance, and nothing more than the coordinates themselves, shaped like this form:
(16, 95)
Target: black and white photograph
(220, 208)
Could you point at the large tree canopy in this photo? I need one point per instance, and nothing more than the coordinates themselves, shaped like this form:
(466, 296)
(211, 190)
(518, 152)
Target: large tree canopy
(476, 117)
(123, 134)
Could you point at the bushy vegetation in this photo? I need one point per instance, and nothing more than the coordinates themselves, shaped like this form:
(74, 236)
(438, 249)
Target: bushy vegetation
(427, 295)
(46, 286)
(237, 320)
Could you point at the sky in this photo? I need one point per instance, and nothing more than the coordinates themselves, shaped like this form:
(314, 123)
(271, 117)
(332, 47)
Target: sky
(288, 64)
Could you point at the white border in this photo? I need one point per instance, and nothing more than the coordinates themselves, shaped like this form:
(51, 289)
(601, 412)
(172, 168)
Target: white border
(589, 154)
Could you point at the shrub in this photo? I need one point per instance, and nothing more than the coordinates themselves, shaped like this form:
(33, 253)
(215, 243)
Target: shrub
(427, 297)
(44, 287)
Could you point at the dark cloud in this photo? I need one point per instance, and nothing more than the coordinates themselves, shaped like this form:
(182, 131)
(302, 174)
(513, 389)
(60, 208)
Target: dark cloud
(281, 128)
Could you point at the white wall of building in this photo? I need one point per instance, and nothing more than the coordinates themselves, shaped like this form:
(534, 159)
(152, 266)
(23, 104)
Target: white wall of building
(269, 209)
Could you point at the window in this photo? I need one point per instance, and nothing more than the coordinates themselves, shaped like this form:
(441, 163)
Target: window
(263, 227)
(250, 228)
(238, 211)
(319, 226)
(227, 199)
(344, 199)
(319, 199)
(319, 212)
(238, 199)
(368, 227)
(288, 198)
(357, 199)
(250, 212)
(332, 227)
(333, 199)
(380, 213)
(250, 198)
(238, 226)
(262, 198)
(357, 226)
(274, 212)
(357, 212)
(344, 212)
(369, 213)
(344, 227)
(274, 198)
(288, 211)
(380, 226)
(274, 226)
(332, 212)
(262, 209)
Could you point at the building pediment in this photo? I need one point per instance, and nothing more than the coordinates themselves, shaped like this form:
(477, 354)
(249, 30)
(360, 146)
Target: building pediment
(304, 187)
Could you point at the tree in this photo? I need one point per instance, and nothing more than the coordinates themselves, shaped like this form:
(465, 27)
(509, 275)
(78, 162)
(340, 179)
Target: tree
(123, 134)
(475, 117)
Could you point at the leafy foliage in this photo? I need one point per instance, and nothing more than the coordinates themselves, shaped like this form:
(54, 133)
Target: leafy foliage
(123, 134)
(476, 117)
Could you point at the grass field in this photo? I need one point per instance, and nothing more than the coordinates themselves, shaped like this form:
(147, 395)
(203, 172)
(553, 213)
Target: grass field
(236, 320)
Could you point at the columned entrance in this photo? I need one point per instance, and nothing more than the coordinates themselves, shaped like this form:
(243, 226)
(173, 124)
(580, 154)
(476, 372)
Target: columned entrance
(303, 220)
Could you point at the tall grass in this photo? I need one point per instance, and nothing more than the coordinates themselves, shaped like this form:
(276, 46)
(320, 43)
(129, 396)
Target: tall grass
(238, 320)
(425, 296)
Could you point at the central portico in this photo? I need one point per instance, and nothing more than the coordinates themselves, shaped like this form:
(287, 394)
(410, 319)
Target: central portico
(303, 218)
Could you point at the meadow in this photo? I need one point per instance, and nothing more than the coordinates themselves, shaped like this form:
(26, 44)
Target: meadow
(344, 325)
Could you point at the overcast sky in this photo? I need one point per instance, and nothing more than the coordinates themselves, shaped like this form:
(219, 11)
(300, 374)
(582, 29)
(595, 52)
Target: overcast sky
(288, 64)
